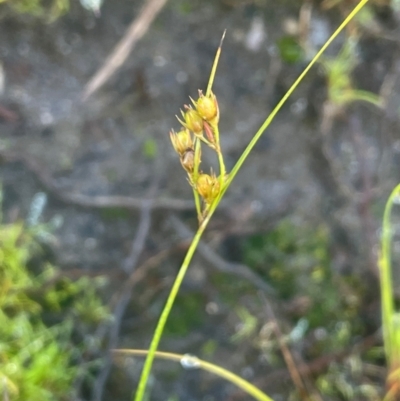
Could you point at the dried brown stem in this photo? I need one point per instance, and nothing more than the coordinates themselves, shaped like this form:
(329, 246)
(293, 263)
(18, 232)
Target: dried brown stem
(96, 202)
(121, 52)
(290, 363)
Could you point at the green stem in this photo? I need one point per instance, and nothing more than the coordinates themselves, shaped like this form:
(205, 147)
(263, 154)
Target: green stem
(200, 364)
(386, 278)
(360, 95)
(167, 308)
(222, 169)
(197, 149)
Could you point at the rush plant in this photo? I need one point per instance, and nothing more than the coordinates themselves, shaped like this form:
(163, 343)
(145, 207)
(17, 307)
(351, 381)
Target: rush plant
(200, 128)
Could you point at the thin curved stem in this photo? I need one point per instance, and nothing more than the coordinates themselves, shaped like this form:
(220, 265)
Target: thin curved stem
(167, 308)
(200, 364)
(197, 150)
(385, 267)
(222, 169)
(274, 112)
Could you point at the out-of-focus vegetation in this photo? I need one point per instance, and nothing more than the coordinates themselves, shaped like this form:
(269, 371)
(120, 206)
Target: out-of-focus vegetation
(49, 10)
(46, 321)
(298, 262)
(318, 299)
(338, 71)
(299, 266)
(39, 8)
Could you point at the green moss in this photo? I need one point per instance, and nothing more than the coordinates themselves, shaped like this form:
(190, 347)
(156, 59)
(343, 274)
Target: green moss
(36, 352)
(49, 10)
(295, 260)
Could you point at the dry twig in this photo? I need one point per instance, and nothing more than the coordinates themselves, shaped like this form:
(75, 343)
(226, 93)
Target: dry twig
(121, 52)
(290, 363)
(319, 365)
(96, 202)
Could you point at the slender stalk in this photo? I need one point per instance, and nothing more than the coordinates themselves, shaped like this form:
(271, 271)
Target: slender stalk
(222, 169)
(181, 274)
(167, 308)
(200, 364)
(197, 149)
(362, 96)
(385, 264)
(197, 203)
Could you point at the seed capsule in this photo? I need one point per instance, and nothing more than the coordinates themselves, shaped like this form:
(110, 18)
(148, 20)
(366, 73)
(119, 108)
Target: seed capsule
(193, 121)
(187, 160)
(208, 187)
(181, 141)
(207, 107)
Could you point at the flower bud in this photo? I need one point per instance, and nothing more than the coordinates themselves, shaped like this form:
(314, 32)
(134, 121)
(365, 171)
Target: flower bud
(208, 187)
(187, 160)
(193, 121)
(181, 141)
(207, 107)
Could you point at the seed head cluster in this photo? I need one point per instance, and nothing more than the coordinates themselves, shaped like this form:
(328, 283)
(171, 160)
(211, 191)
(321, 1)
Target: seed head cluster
(200, 127)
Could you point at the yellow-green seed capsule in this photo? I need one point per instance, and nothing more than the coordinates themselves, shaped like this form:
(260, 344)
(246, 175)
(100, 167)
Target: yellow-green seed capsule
(193, 121)
(207, 107)
(181, 141)
(208, 187)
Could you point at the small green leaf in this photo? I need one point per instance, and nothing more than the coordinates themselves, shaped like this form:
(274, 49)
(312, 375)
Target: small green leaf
(149, 148)
(289, 50)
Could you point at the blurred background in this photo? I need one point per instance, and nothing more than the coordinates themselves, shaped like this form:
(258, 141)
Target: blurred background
(97, 213)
